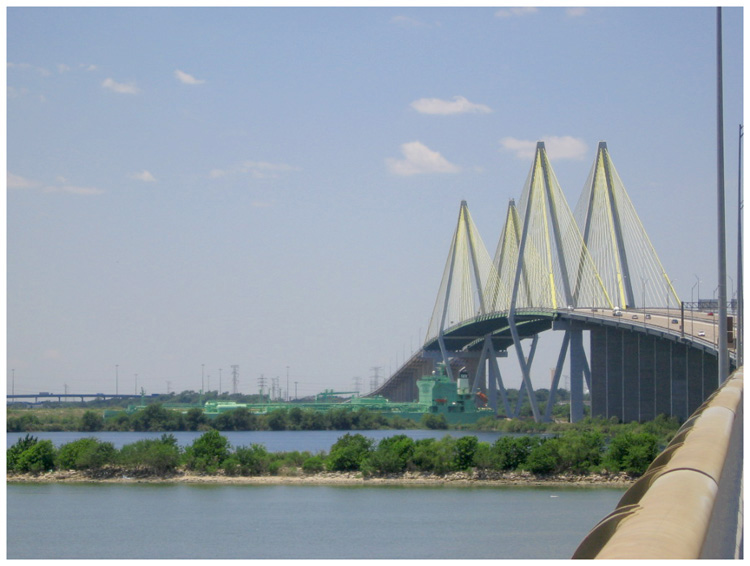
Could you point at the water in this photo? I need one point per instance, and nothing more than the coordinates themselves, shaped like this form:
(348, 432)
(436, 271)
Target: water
(274, 441)
(179, 521)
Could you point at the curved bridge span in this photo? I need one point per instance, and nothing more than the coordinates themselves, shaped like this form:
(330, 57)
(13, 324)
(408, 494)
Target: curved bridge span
(593, 271)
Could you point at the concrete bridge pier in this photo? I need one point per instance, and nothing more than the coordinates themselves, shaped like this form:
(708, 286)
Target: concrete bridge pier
(637, 376)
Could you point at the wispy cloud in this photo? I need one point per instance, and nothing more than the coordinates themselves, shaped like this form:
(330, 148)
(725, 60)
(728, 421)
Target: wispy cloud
(73, 190)
(557, 147)
(515, 12)
(407, 22)
(18, 182)
(459, 105)
(144, 176)
(28, 67)
(256, 169)
(419, 159)
(121, 88)
(87, 67)
(187, 79)
(576, 12)
(61, 186)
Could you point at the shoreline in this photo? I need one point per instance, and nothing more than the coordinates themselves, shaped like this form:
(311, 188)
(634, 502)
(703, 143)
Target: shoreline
(458, 479)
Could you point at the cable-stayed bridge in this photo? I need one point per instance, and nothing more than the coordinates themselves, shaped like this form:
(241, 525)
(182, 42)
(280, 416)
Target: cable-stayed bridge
(591, 269)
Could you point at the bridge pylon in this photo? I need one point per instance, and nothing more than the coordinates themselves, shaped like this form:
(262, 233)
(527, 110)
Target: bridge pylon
(617, 241)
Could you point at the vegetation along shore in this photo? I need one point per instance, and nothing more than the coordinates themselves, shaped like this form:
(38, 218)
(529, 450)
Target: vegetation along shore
(577, 456)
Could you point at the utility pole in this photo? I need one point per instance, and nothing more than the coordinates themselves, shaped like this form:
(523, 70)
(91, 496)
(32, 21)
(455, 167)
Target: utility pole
(357, 384)
(235, 378)
(739, 341)
(722, 339)
(287, 384)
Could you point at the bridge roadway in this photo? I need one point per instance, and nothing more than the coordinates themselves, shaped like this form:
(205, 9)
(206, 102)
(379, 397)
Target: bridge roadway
(48, 397)
(666, 355)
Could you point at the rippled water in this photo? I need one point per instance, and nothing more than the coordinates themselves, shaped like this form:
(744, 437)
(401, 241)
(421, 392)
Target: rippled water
(234, 521)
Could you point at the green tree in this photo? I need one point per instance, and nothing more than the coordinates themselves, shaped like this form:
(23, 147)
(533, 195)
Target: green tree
(38, 458)
(581, 451)
(207, 452)
(544, 458)
(253, 460)
(13, 453)
(348, 453)
(391, 455)
(85, 454)
(631, 452)
(92, 422)
(511, 452)
(195, 418)
(466, 446)
(157, 456)
(313, 465)
(276, 420)
(434, 422)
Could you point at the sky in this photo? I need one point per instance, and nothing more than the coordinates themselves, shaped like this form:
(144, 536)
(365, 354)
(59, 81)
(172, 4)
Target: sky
(277, 188)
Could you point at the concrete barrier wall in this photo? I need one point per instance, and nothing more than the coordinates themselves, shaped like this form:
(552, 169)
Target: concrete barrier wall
(688, 504)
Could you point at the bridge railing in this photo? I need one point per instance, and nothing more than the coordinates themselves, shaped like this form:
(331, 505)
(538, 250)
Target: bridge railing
(688, 503)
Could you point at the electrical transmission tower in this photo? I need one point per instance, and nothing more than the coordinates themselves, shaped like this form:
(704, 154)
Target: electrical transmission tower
(235, 378)
(357, 384)
(375, 379)
(262, 384)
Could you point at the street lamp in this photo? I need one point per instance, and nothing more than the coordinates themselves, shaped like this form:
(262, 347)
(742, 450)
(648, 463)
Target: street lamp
(699, 290)
(692, 315)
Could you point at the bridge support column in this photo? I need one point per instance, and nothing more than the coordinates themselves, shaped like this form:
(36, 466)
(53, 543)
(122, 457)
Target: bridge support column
(489, 357)
(577, 362)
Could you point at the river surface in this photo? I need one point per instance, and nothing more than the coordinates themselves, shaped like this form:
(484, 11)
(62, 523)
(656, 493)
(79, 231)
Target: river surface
(180, 521)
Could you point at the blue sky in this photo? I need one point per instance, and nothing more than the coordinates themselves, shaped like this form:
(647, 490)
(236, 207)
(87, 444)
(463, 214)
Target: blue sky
(277, 188)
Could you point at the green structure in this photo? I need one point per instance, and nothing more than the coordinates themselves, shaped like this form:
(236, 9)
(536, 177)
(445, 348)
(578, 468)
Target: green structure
(438, 395)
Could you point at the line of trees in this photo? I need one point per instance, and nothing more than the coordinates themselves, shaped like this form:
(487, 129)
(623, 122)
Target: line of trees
(574, 452)
(156, 418)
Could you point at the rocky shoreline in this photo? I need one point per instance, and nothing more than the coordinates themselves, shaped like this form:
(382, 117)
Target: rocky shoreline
(467, 479)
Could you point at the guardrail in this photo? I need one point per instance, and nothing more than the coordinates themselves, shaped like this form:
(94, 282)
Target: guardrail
(688, 504)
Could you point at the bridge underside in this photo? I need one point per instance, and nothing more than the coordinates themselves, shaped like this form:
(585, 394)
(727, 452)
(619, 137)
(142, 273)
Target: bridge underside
(633, 373)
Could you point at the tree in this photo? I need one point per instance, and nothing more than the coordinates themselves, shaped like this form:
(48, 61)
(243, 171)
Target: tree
(631, 452)
(544, 457)
(434, 422)
(391, 455)
(207, 452)
(85, 454)
(159, 456)
(466, 446)
(348, 453)
(195, 418)
(14, 452)
(92, 422)
(38, 458)
(581, 451)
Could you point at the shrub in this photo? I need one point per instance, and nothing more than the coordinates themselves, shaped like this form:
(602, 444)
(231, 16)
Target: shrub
(348, 453)
(207, 452)
(14, 452)
(391, 456)
(253, 460)
(434, 422)
(156, 456)
(85, 454)
(39, 457)
(544, 457)
(313, 465)
(631, 452)
(511, 452)
(92, 422)
(436, 456)
(466, 446)
(580, 451)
